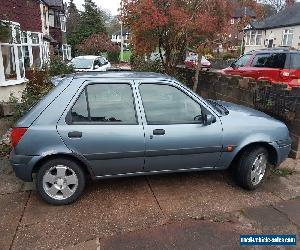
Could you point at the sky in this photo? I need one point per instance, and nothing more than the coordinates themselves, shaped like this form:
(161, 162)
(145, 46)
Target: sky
(110, 5)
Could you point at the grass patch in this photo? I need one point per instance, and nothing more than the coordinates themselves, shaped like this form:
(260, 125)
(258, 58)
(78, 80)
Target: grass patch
(126, 56)
(283, 172)
(4, 150)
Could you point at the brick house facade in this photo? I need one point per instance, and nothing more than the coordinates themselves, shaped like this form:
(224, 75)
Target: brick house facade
(28, 41)
(25, 12)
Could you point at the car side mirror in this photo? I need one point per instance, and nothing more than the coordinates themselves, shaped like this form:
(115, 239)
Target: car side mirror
(208, 119)
(233, 65)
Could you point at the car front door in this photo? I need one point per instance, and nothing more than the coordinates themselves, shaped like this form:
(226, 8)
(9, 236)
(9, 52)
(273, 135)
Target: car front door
(175, 135)
(103, 126)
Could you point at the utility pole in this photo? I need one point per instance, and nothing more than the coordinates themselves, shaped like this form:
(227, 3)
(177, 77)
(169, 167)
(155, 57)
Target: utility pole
(122, 43)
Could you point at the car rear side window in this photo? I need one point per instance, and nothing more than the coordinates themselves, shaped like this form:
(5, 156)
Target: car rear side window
(270, 61)
(105, 103)
(295, 61)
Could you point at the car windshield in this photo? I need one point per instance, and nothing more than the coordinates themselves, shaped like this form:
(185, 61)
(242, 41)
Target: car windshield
(82, 63)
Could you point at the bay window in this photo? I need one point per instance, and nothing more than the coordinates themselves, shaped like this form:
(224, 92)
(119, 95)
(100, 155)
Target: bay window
(9, 62)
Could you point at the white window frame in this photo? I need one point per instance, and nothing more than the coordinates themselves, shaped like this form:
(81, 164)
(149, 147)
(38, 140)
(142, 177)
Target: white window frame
(252, 35)
(44, 53)
(63, 23)
(287, 33)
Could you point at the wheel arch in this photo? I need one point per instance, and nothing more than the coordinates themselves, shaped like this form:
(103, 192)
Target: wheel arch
(273, 155)
(73, 157)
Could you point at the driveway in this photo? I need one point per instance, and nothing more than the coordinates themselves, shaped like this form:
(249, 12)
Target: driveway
(113, 212)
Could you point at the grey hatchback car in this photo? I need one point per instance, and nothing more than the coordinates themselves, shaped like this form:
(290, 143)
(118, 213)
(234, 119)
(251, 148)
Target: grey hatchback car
(116, 124)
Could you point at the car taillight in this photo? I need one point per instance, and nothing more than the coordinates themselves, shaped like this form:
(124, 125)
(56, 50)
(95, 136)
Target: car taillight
(16, 135)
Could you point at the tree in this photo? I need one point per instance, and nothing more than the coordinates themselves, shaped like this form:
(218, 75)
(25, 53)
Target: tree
(92, 20)
(97, 44)
(81, 25)
(73, 20)
(279, 4)
(173, 26)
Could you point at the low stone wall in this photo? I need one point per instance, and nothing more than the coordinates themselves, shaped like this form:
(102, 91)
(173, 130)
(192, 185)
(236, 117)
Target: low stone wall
(274, 99)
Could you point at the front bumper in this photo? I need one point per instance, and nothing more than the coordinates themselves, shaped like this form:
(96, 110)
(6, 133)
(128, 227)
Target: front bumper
(23, 165)
(283, 149)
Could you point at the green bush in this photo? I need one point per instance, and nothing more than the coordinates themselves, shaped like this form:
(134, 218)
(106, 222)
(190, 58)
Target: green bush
(139, 63)
(38, 85)
(59, 67)
(227, 56)
(113, 56)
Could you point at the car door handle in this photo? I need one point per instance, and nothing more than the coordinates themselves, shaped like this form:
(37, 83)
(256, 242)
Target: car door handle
(75, 134)
(159, 132)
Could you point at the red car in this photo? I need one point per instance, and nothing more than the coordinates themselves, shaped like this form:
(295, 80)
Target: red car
(274, 65)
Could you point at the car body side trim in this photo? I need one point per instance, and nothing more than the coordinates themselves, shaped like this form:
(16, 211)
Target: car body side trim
(154, 172)
(153, 153)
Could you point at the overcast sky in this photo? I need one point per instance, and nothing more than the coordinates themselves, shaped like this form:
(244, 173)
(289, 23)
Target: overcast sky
(111, 5)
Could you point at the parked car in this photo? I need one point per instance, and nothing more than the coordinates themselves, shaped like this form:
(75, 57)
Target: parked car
(274, 65)
(90, 63)
(117, 124)
(192, 60)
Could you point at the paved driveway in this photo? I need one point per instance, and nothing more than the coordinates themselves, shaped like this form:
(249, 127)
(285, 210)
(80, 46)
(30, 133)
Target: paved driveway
(115, 207)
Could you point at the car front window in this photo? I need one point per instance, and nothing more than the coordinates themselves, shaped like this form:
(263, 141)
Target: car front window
(82, 63)
(165, 104)
(242, 61)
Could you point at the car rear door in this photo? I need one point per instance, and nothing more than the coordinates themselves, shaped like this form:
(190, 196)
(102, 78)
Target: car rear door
(294, 69)
(175, 136)
(102, 124)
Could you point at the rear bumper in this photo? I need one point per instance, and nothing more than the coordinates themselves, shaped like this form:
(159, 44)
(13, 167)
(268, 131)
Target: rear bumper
(23, 165)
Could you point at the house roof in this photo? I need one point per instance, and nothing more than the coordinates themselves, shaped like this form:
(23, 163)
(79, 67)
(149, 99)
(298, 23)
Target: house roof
(125, 32)
(243, 11)
(288, 17)
(54, 3)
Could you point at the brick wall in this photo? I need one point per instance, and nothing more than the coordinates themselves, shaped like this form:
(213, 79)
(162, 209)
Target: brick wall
(273, 99)
(25, 12)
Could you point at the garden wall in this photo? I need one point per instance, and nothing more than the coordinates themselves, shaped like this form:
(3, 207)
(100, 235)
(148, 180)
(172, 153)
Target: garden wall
(274, 99)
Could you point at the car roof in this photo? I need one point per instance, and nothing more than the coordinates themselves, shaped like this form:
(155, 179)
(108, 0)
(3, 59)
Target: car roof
(122, 75)
(87, 57)
(276, 50)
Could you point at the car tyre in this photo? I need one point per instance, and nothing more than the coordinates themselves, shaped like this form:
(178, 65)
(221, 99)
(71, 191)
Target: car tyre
(60, 181)
(252, 167)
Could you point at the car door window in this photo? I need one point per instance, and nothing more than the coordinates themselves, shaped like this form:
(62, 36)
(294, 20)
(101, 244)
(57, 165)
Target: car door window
(105, 103)
(242, 61)
(295, 61)
(165, 104)
(276, 61)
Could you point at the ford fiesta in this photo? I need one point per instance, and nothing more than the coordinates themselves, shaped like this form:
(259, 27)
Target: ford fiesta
(115, 124)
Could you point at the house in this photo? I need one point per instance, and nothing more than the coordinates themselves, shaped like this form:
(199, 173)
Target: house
(116, 38)
(282, 29)
(238, 16)
(25, 41)
(57, 28)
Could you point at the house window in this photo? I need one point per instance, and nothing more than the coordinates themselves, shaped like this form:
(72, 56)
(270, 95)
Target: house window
(287, 39)
(24, 38)
(9, 62)
(36, 56)
(35, 38)
(66, 49)
(254, 37)
(51, 18)
(63, 23)
(26, 57)
(232, 21)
